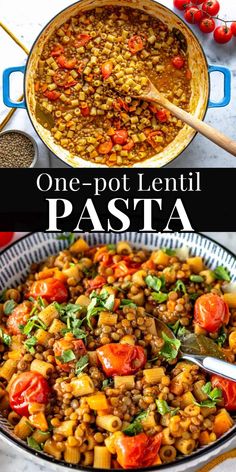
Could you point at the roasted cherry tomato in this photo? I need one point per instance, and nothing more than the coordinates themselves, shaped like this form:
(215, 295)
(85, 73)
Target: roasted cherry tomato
(228, 390)
(66, 63)
(121, 359)
(58, 50)
(178, 62)
(62, 345)
(138, 451)
(207, 25)
(181, 4)
(53, 290)
(52, 95)
(18, 317)
(105, 148)
(135, 44)
(120, 136)
(60, 77)
(223, 34)
(82, 39)
(129, 145)
(28, 387)
(233, 28)
(5, 238)
(211, 312)
(85, 111)
(153, 138)
(97, 282)
(211, 7)
(125, 267)
(106, 69)
(193, 15)
(162, 115)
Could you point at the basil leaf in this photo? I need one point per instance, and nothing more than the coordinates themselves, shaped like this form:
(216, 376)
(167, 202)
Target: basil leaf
(180, 287)
(67, 356)
(171, 348)
(154, 282)
(70, 238)
(79, 333)
(6, 338)
(159, 297)
(3, 296)
(215, 394)
(30, 343)
(222, 274)
(206, 404)
(168, 251)
(129, 303)
(9, 307)
(162, 407)
(196, 278)
(136, 426)
(81, 364)
(32, 443)
(33, 322)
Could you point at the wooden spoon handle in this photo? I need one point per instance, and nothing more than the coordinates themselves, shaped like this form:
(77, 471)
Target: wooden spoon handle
(211, 133)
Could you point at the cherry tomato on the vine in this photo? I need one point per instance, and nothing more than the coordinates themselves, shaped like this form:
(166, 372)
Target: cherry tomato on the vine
(212, 7)
(193, 15)
(233, 28)
(182, 4)
(207, 25)
(223, 34)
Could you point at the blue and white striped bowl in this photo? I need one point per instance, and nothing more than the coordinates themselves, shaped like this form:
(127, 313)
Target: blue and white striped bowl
(15, 264)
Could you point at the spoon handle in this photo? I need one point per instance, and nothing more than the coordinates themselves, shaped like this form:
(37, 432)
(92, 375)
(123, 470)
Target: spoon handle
(213, 365)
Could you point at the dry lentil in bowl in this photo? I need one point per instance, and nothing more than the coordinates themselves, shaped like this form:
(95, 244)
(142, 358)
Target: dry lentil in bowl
(88, 72)
(85, 378)
(16, 150)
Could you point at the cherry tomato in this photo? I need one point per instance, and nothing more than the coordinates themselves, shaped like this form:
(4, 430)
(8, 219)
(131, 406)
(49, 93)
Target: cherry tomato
(105, 148)
(193, 15)
(19, 316)
(207, 25)
(135, 44)
(129, 145)
(28, 387)
(85, 111)
(121, 359)
(66, 63)
(97, 282)
(125, 267)
(120, 136)
(106, 69)
(5, 238)
(52, 95)
(162, 115)
(82, 39)
(62, 345)
(233, 28)
(181, 4)
(223, 34)
(53, 290)
(57, 50)
(61, 77)
(211, 312)
(138, 451)
(197, 2)
(178, 62)
(212, 7)
(228, 388)
(152, 138)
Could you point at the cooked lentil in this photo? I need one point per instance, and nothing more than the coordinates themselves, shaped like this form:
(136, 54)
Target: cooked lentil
(90, 69)
(16, 150)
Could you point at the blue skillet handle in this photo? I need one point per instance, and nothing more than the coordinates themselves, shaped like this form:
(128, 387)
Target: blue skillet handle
(227, 86)
(6, 87)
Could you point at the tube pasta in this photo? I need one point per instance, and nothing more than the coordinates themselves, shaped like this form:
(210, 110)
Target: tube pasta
(153, 376)
(72, 455)
(48, 314)
(185, 446)
(107, 318)
(66, 428)
(102, 457)
(111, 423)
(42, 337)
(50, 447)
(128, 381)
(87, 458)
(23, 429)
(167, 453)
(82, 385)
(44, 368)
(8, 369)
(57, 326)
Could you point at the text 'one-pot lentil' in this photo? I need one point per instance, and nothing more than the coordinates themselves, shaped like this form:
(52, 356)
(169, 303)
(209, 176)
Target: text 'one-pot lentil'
(84, 376)
(88, 72)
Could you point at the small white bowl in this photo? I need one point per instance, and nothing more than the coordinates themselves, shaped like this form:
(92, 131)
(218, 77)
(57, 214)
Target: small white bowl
(36, 151)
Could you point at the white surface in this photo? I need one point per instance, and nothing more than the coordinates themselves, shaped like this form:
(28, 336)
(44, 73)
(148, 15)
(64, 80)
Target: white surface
(9, 456)
(27, 18)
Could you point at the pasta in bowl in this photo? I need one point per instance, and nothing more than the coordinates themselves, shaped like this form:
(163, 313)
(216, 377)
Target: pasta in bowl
(84, 377)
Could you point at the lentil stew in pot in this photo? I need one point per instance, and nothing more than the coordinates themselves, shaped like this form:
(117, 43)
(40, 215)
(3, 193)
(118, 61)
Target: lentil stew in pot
(91, 70)
(84, 376)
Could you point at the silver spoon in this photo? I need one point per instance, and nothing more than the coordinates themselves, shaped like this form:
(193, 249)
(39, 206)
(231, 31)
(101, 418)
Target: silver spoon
(200, 350)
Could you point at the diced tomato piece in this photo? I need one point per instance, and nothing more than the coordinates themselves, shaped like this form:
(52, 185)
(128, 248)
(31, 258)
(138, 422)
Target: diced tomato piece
(178, 62)
(85, 111)
(66, 63)
(135, 44)
(106, 69)
(58, 50)
(82, 39)
(152, 138)
(97, 282)
(105, 148)
(120, 136)
(19, 317)
(62, 345)
(129, 145)
(52, 95)
(162, 115)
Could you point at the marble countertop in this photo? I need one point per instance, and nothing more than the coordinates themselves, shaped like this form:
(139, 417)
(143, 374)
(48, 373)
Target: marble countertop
(10, 457)
(26, 19)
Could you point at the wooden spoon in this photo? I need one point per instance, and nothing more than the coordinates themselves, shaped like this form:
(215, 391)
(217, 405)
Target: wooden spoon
(151, 94)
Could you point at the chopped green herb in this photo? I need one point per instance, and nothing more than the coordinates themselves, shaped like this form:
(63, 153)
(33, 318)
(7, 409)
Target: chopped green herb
(31, 299)
(222, 274)
(107, 383)
(81, 364)
(67, 356)
(70, 238)
(193, 296)
(111, 247)
(168, 251)
(196, 278)
(174, 411)
(40, 302)
(98, 303)
(136, 426)
(180, 287)
(33, 444)
(163, 408)
(33, 322)
(6, 338)
(30, 343)
(171, 348)
(109, 303)
(3, 296)
(206, 388)
(159, 297)
(129, 303)
(221, 338)
(214, 396)
(9, 307)
(178, 329)
(154, 282)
